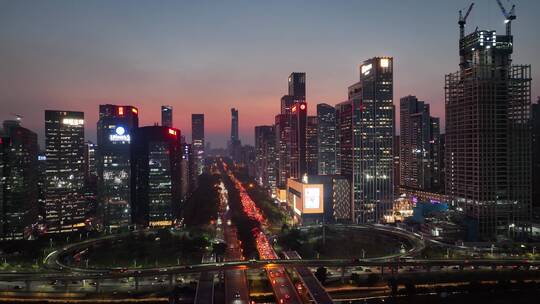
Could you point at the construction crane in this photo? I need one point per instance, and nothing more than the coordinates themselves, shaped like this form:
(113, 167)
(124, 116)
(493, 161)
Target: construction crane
(463, 20)
(510, 15)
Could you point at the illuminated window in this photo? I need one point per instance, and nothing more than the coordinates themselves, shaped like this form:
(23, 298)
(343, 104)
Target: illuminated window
(385, 62)
(366, 68)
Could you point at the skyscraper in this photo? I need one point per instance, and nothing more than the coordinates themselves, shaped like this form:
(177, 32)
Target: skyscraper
(488, 168)
(65, 205)
(290, 126)
(419, 146)
(397, 165)
(283, 131)
(234, 143)
(326, 139)
(265, 157)
(167, 116)
(297, 86)
(187, 170)
(312, 145)
(366, 142)
(297, 141)
(18, 181)
(197, 142)
(156, 155)
(114, 133)
(234, 125)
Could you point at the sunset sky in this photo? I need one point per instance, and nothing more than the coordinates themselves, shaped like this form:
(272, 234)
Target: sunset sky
(206, 57)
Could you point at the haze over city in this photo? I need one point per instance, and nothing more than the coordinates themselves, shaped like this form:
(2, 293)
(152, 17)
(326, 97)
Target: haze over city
(287, 152)
(206, 57)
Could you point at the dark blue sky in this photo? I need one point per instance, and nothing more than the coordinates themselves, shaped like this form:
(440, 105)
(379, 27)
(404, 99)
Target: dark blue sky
(202, 56)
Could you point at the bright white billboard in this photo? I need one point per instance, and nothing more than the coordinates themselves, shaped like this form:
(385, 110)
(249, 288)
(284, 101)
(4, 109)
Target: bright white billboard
(312, 198)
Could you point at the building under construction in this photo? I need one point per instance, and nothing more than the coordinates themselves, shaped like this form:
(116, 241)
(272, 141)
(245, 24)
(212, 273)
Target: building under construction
(488, 149)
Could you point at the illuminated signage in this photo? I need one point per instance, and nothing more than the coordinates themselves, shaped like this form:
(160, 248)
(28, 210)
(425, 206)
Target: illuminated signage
(120, 135)
(121, 111)
(312, 198)
(385, 62)
(172, 132)
(366, 68)
(294, 108)
(42, 157)
(73, 121)
(303, 106)
(134, 110)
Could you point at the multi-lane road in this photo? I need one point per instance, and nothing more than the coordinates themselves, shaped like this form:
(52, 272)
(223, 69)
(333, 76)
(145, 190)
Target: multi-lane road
(280, 281)
(236, 284)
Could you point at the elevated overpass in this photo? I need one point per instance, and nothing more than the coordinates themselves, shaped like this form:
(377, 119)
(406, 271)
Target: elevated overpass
(312, 284)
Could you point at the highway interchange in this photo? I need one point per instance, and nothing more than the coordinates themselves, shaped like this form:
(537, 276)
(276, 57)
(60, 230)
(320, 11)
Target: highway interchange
(62, 278)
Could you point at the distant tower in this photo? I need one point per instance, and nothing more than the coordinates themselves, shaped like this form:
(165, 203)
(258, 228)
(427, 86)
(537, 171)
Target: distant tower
(234, 125)
(297, 85)
(197, 142)
(167, 116)
(234, 143)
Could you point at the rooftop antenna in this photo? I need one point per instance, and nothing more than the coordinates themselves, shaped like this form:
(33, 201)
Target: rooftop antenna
(510, 15)
(18, 117)
(463, 20)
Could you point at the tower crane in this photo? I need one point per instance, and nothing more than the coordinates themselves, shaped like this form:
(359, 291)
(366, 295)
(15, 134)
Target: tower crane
(463, 20)
(510, 15)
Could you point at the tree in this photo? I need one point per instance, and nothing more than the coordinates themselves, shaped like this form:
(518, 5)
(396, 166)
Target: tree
(219, 248)
(321, 274)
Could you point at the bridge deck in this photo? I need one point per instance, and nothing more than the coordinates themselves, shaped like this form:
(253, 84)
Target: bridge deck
(205, 286)
(314, 287)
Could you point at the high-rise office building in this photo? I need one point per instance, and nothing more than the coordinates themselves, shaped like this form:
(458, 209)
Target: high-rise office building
(265, 157)
(234, 142)
(114, 134)
(90, 163)
(326, 139)
(397, 166)
(197, 142)
(297, 86)
(18, 181)
(312, 145)
(290, 126)
(156, 155)
(419, 146)
(234, 124)
(90, 175)
(344, 126)
(187, 170)
(65, 204)
(536, 153)
(366, 135)
(167, 116)
(297, 141)
(283, 132)
(488, 151)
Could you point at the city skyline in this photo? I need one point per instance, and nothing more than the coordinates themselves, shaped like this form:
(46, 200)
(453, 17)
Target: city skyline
(108, 57)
